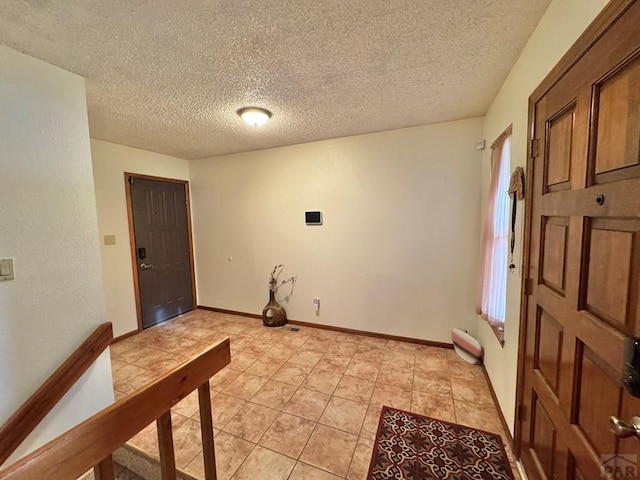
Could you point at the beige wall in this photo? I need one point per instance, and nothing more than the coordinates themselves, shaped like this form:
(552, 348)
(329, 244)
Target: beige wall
(561, 25)
(110, 161)
(398, 250)
(400, 209)
(48, 224)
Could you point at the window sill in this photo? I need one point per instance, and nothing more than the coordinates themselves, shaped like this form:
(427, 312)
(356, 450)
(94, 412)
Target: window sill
(499, 335)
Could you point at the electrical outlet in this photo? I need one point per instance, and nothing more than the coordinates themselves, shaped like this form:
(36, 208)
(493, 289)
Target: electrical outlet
(6, 269)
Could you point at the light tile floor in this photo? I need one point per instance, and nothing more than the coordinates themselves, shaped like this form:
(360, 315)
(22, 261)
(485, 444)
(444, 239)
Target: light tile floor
(297, 405)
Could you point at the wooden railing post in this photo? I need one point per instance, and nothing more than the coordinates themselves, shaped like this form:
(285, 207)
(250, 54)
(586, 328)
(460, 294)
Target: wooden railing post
(206, 427)
(165, 445)
(104, 470)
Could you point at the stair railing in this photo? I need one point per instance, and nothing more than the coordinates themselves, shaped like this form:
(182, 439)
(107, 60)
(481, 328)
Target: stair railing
(91, 443)
(16, 429)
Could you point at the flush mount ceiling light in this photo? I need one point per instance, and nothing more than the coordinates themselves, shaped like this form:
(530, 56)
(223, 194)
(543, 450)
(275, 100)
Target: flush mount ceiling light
(254, 116)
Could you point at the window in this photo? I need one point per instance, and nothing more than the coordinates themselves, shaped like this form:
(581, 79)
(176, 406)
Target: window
(492, 294)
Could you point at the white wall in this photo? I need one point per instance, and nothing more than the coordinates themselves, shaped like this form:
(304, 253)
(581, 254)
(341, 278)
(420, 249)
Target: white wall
(48, 224)
(560, 27)
(110, 162)
(398, 250)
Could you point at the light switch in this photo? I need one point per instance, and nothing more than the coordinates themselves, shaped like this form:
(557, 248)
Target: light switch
(109, 239)
(6, 269)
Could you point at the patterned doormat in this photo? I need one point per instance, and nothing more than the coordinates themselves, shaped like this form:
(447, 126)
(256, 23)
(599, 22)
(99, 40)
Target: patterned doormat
(412, 447)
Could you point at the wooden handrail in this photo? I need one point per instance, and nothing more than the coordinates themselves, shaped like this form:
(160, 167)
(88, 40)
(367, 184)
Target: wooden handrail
(16, 429)
(90, 443)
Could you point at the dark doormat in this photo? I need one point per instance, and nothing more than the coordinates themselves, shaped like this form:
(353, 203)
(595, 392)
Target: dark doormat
(413, 447)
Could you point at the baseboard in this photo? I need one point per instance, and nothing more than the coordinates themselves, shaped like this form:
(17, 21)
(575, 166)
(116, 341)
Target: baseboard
(124, 335)
(505, 426)
(230, 312)
(353, 331)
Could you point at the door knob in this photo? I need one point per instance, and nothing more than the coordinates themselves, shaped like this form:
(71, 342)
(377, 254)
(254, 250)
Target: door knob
(623, 429)
(144, 266)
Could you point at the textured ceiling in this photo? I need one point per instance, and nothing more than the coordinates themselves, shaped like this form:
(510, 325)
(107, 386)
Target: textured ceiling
(168, 76)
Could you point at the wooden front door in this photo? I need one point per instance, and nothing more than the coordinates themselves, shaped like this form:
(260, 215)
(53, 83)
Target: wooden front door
(163, 269)
(584, 257)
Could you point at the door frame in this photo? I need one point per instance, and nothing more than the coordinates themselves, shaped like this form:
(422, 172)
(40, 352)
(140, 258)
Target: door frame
(605, 19)
(132, 238)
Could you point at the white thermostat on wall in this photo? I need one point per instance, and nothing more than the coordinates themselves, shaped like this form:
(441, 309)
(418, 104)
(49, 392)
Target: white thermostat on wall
(313, 218)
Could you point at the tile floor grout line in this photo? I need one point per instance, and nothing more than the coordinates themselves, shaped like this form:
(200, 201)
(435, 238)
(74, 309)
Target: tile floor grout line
(155, 348)
(352, 457)
(192, 459)
(242, 463)
(316, 466)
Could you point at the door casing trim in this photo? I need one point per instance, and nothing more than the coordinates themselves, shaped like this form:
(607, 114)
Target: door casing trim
(600, 25)
(132, 240)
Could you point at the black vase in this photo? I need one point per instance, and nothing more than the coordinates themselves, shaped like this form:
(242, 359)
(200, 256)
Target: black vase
(273, 314)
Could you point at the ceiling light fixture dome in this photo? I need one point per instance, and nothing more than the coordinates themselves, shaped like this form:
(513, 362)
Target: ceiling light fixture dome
(254, 115)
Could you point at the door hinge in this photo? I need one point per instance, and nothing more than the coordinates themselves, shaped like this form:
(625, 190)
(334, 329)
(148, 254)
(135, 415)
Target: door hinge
(521, 412)
(528, 286)
(533, 148)
(130, 180)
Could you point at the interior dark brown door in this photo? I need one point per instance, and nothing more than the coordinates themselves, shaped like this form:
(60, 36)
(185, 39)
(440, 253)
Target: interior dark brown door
(584, 261)
(162, 252)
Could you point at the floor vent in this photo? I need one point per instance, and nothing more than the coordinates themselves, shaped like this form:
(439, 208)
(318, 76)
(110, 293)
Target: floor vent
(292, 329)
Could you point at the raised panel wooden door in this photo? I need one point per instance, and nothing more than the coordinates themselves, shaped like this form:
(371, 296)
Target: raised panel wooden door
(584, 261)
(163, 259)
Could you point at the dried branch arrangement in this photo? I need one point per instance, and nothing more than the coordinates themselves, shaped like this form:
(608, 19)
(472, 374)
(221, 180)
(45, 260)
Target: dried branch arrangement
(273, 278)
